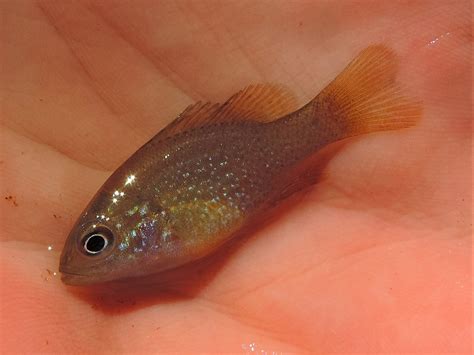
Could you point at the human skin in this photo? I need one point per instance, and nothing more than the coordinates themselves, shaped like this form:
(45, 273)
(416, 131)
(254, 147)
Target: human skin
(374, 258)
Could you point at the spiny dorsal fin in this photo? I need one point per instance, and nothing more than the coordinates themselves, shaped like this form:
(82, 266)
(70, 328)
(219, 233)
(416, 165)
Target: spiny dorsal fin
(194, 115)
(261, 103)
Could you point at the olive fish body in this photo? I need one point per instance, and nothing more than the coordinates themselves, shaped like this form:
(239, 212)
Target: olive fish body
(216, 167)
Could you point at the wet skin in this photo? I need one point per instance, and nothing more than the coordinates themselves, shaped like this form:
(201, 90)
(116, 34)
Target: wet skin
(374, 258)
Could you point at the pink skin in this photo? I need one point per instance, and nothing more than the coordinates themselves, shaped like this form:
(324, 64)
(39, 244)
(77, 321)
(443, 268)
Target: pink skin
(376, 258)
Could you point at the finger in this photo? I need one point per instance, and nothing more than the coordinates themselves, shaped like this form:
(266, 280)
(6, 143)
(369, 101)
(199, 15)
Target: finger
(88, 92)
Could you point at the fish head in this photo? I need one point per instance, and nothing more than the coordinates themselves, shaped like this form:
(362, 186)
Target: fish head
(117, 236)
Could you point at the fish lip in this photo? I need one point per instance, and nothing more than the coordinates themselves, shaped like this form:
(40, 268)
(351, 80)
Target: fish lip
(70, 278)
(70, 273)
(64, 270)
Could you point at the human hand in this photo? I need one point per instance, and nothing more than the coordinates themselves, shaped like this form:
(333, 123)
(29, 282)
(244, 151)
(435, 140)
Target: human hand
(375, 258)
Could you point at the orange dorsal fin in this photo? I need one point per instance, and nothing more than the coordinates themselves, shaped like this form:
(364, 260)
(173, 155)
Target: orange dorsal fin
(194, 115)
(259, 103)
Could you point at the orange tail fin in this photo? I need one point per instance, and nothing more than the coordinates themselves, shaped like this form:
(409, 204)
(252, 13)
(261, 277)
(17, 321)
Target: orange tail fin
(365, 96)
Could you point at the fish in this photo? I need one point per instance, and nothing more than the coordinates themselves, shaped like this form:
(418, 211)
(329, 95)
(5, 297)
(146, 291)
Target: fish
(217, 168)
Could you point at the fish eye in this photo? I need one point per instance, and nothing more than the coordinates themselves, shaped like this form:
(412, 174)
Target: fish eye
(96, 242)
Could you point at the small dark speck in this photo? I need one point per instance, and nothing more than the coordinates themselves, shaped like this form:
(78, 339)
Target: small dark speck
(56, 216)
(12, 199)
(133, 325)
(22, 153)
(49, 271)
(41, 99)
(157, 328)
(47, 342)
(300, 23)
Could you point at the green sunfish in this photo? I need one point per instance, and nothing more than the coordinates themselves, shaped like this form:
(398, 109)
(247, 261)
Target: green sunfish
(217, 167)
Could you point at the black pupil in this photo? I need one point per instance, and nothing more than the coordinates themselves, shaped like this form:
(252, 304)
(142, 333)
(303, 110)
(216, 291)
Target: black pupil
(95, 243)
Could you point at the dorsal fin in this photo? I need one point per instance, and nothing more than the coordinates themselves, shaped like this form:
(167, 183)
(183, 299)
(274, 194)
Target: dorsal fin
(194, 115)
(261, 103)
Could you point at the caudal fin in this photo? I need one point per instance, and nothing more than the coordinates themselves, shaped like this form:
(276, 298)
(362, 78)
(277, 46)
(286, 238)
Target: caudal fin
(366, 98)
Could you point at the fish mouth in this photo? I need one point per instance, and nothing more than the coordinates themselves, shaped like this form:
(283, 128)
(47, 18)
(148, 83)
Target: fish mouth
(69, 272)
(64, 270)
(74, 279)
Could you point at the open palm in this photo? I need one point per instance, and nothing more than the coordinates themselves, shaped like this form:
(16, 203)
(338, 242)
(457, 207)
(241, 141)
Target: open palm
(376, 257)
